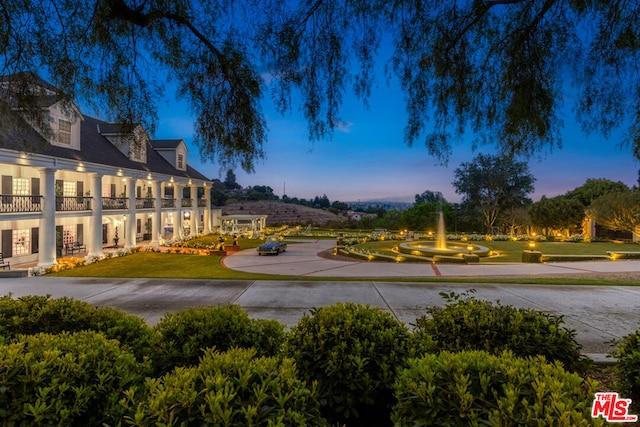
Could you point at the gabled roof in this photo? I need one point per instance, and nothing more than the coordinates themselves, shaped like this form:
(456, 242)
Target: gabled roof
(23, 85)
(166, 144)
(96, 148)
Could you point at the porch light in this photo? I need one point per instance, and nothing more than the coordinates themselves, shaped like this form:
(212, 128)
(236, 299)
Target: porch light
(532, 245)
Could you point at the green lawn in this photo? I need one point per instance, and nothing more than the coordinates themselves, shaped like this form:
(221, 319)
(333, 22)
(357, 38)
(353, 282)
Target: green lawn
(512, 251)
(161, 265)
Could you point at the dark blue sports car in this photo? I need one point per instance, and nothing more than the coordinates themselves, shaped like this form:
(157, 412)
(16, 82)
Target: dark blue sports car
(274, 247)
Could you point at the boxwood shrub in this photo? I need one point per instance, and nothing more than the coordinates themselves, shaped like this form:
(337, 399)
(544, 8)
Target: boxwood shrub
(472, 324)
(65, 379)
(183, 336)
(627, 368)
(352, 352)
(226, 389)
(35, 314)
(474, 388)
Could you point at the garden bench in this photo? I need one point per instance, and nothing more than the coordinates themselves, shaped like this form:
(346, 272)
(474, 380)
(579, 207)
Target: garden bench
(74, 247)
(3, 264)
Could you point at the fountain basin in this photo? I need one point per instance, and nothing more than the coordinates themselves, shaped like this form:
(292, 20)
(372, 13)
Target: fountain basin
(430, 248)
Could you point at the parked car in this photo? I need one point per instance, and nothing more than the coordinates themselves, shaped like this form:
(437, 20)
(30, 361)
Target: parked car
(273, 246)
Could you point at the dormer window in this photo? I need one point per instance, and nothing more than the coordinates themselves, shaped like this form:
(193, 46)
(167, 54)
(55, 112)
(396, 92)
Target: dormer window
(64, 132)
(180, 162)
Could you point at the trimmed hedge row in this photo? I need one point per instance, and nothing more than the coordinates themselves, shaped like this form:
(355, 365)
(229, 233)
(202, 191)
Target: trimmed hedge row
(184, 336)
(474, 388)
(345, 364)
(471, 324)
(65, 379)
(233, 389)
(352, 352)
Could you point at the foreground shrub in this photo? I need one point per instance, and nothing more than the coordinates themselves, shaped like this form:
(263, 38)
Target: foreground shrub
(41, 314)
(352, 351)
(227, 389)
(471, 324)
(65, 379)
(185, 335)
(627, 368)
(475, 388)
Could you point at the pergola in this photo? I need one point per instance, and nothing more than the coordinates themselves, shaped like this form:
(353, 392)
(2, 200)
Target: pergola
(243, 225)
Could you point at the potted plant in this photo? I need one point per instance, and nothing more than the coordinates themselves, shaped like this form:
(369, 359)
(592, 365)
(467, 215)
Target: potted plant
(148, 228)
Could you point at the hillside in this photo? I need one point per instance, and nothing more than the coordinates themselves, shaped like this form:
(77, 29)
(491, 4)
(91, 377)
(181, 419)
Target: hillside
(281, 213)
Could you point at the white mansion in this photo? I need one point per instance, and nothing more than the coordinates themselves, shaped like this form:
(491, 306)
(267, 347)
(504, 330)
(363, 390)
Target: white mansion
(93, 186)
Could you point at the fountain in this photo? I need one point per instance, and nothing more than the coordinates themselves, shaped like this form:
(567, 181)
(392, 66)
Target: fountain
(441, 246)
(441, 237)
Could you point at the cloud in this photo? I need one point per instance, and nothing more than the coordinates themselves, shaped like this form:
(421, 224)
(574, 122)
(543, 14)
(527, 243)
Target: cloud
(343, 126)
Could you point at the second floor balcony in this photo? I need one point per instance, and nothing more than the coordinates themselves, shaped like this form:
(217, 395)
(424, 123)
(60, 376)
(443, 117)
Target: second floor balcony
(27, 204)
(112, 203)
(145, 203)
(72, 204)
(20, 204)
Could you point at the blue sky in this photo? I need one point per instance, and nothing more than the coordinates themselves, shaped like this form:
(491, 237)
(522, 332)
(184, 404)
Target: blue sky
(367, 157)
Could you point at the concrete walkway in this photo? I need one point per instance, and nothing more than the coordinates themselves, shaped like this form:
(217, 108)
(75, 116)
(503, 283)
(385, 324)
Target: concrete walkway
(599, 314)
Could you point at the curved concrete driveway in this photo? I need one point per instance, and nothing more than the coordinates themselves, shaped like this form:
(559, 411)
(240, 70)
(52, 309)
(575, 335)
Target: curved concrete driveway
(302, 259)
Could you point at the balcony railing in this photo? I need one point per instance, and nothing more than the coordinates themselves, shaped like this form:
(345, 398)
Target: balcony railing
(145, 203)
(11, 204)
(111, 203)
(25, 204)
(73, 204)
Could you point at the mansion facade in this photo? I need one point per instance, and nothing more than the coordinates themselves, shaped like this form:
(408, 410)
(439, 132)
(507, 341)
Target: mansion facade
(89, 185)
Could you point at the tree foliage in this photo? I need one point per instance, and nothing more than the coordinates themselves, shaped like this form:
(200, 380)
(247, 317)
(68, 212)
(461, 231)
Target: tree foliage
(594, 188)
(618, 211)
(492, 184)
(560, 212)
(497, 68)
(429, 196)
(424, 216)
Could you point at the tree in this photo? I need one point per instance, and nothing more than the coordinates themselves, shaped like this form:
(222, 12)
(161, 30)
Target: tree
(424, 216)
(557, 213)
(429, 197)
(618, 211)
(595, 188)
(495, 67)
(492, 184)
(230, 182)
(515, 219)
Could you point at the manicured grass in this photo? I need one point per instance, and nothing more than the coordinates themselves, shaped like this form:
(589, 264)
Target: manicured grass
(161, 265)
(512, 251)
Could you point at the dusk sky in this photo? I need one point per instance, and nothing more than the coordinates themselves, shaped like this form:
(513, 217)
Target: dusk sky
(367, 157)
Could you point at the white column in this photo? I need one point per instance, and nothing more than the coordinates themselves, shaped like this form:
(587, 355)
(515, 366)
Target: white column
(130, 223)
(207, 210)
(156, 223)
(177, 221)
(47, 232)
(195, 213)
(94, 245)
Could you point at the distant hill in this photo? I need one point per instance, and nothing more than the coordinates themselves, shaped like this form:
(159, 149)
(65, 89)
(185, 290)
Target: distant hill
(281, 213)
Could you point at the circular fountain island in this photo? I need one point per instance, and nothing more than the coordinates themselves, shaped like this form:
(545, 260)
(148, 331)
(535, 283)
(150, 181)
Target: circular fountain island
(440, 247)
